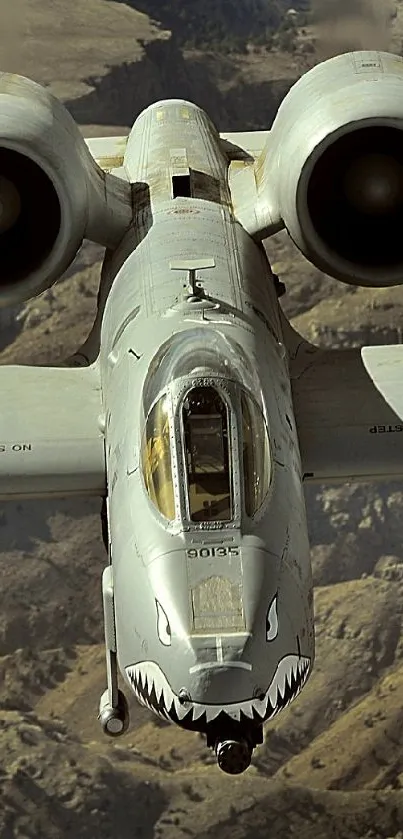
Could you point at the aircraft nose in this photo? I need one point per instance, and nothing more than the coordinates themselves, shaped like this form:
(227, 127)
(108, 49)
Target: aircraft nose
(222, 669)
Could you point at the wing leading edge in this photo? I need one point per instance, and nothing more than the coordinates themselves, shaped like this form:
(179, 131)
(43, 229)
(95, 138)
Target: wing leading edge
(348, 407)
(50, 438)
(109, 152)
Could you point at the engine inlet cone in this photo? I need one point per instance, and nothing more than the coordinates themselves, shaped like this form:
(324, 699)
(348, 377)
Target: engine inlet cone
(233, 756)
(374, 184)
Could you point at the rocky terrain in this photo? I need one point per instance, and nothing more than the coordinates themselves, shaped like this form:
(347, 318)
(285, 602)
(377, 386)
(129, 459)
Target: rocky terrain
(332, 765)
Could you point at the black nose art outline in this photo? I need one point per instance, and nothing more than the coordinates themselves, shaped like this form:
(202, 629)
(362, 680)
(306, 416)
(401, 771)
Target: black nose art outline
(163, 625)
(272, 620)
(152, 689)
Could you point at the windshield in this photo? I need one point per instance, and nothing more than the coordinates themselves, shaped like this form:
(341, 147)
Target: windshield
(207, 453)
(217, 436)
(194, 350)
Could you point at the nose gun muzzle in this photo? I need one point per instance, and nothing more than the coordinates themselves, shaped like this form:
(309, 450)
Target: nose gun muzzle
(233, 756)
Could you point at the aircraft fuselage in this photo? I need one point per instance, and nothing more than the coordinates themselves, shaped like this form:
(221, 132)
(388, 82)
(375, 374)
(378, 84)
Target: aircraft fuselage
(210, 559)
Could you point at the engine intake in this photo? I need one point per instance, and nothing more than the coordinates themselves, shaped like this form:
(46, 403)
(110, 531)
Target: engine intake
(30, 216)
(333, 167)
(351, 199)
(52, 192)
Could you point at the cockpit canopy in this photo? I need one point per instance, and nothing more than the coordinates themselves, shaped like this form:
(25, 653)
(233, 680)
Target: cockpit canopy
(188, 352)
(216, 437)
(205, 450)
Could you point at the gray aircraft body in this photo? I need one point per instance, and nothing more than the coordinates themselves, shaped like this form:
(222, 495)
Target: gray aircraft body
(194, 409)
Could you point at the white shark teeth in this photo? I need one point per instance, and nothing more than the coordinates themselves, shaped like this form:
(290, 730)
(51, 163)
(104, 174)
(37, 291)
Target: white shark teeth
(248, 710)
(153, 690)
(259, 706)
(181, 708)
(168, 695)
(198, 711)
(282, 683)
(212, 711)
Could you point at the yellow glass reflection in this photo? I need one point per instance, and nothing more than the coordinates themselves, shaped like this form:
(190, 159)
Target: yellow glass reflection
(156, 460)
(256, 455)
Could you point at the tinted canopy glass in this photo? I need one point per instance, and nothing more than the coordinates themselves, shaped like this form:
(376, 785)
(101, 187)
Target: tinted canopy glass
(156, 459)
(256, 455)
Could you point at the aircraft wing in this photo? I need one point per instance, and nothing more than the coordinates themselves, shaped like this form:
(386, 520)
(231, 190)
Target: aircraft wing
(239, 145)
(108, 152)
(348, 406)
(50, 440)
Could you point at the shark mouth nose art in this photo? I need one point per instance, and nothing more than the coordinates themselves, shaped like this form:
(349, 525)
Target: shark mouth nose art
(153, 690)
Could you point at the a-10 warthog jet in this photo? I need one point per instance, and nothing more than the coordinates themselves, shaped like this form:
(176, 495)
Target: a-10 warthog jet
(194, 410)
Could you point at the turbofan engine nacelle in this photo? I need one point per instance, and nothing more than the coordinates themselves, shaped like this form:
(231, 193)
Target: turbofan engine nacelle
(333, 166)
(52, 192)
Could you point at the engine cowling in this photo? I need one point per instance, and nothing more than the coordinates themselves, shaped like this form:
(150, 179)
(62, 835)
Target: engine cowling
(333, 167)
(52, 193)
